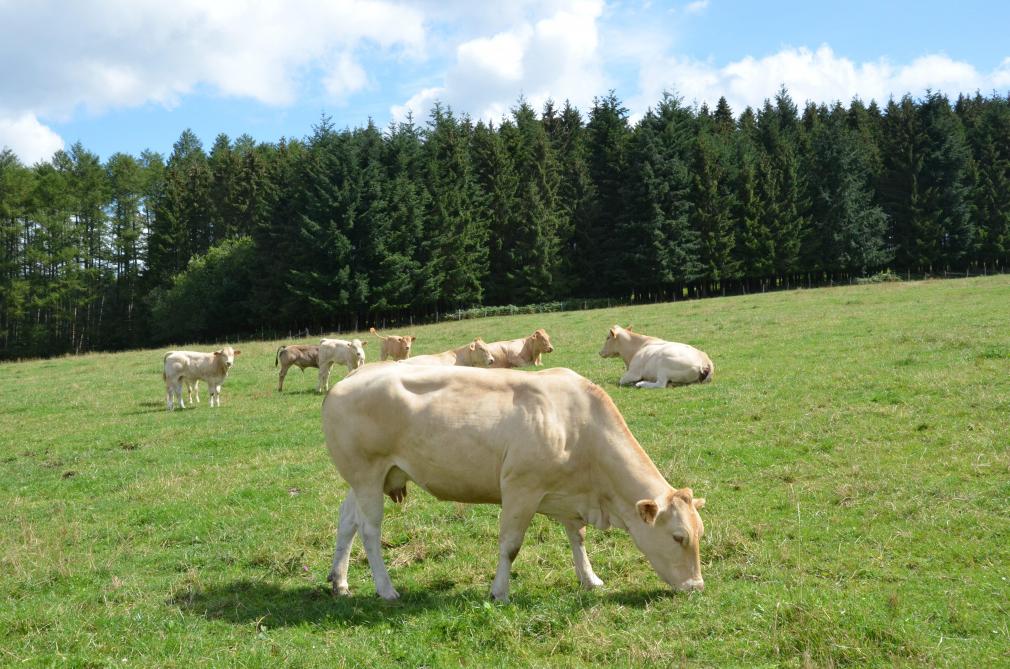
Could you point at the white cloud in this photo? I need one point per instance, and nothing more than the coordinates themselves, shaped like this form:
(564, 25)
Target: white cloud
(31, 141)
(553, 54)
(60, 58)
(818, 75)
(696, 7)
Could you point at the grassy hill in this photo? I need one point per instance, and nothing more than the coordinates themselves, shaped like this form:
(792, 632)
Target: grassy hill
(854, 451)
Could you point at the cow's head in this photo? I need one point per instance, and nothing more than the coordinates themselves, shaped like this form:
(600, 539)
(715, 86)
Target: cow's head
(668, 531)
(357, 352)
(402, 346)
(611, 347)
(227, 356)
(541, 342)
(480, 354)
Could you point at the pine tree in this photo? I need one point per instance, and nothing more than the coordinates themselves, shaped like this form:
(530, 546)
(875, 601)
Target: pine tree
(576, 194)
(607, 140)
(455, 253)
(654, 246)
(848, 230)
(712, 210)
(495, 172)
(988, 134)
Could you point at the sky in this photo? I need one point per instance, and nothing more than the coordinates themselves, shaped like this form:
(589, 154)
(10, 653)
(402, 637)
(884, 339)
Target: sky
(130, 75)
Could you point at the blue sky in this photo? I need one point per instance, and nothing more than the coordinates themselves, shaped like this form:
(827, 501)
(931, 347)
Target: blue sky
(127, 75)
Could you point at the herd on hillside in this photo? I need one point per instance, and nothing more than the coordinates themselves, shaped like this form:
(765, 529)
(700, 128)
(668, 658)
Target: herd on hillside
(464, 426)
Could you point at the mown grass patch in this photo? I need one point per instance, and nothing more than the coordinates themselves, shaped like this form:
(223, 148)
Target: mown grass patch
(854, 450)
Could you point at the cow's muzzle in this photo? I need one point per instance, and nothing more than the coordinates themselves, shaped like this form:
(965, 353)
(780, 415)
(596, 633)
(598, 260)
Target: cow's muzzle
(692, 585)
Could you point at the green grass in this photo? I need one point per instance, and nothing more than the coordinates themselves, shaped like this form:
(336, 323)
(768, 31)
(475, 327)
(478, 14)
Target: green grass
(854, 451)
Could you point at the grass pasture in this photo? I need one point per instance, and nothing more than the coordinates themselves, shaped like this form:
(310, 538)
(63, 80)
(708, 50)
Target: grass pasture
(854, 451)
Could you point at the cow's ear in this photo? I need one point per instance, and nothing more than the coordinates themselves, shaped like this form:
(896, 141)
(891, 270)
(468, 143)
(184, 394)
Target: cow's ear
(613, 333)
(237, 352)
(629, 328)
(699, 503)
(473, 345)
(648, 509)
(364, 343)
(218, 352)
(411, 337)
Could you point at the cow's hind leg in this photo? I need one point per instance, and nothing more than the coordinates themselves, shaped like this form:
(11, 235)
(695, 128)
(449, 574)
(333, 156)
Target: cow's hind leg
(324, 377)
(370, 503)
(280, 377)
(516, 513)
(346, 527)
(577, 538)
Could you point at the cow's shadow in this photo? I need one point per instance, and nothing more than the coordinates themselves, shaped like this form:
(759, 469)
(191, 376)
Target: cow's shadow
(271, 605)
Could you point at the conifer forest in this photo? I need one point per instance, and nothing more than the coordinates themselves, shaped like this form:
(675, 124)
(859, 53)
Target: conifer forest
(353, 226)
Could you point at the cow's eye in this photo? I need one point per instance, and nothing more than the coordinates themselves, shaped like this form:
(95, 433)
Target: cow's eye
(679, 538)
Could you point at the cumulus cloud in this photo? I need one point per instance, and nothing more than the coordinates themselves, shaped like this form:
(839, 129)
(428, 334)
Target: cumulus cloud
(818, 75)
(553, 54)
(30, 141)
(124, 53)
(696, 7)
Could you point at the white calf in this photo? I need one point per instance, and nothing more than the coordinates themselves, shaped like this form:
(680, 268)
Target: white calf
(350, 353)
(191, 366)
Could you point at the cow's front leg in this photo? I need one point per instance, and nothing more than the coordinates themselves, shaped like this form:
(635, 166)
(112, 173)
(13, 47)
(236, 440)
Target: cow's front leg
(324, 377)
(346, 527)
(517, 511)
(577, 538)
(177, 392)
(628, 378)
(370, 503)
(660, 382)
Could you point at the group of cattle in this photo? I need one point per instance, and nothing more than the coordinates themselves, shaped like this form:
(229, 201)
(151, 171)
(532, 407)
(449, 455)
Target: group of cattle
(549, 442)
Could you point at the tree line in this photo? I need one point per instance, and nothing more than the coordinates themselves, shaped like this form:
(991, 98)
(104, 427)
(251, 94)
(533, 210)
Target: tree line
(348, 227)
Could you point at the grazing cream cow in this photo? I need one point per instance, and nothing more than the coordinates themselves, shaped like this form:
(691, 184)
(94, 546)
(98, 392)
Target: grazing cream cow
(547, 442)
(652, 362)
(191, 366)
(350, 353)
(299, 355)
(521, 352)
(394, 346)
(474, 354)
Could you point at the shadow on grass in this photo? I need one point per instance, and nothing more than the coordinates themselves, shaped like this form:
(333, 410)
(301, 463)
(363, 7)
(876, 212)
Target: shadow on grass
(259, 602)
(269, 604)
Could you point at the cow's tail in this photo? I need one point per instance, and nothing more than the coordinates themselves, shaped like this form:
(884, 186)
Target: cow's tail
(706, 372)
(277, 355)
(165, 357)
(373, 331)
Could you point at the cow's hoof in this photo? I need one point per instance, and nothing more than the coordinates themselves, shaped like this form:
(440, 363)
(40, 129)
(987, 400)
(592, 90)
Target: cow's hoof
(341, 590)
(390, 595)
(593, 583)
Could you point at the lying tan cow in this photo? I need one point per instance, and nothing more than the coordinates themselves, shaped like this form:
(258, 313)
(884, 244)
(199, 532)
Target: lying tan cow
(653, 363)
(474, 354)
(394, 346)
(299, 355)
(350, 353)
(521, 352)
(547, 442)
(189, 367)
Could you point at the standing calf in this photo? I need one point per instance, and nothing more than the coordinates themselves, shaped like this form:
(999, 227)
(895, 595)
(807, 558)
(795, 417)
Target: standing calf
(191, 366)
(394, 346)
(301, 356)
(350, 353)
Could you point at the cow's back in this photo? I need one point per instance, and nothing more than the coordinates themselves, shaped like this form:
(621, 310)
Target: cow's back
(454, 430)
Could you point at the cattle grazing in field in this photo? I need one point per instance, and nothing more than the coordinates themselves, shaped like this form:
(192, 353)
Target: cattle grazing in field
(299, 355)
(394, 346)
(547, 442)
(474, 354)
(521, 352)
(350, 353)
(653, 363)
(191, 366)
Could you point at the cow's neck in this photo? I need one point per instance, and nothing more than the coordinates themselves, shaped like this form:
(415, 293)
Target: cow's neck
(625, 473)
(630, 343)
